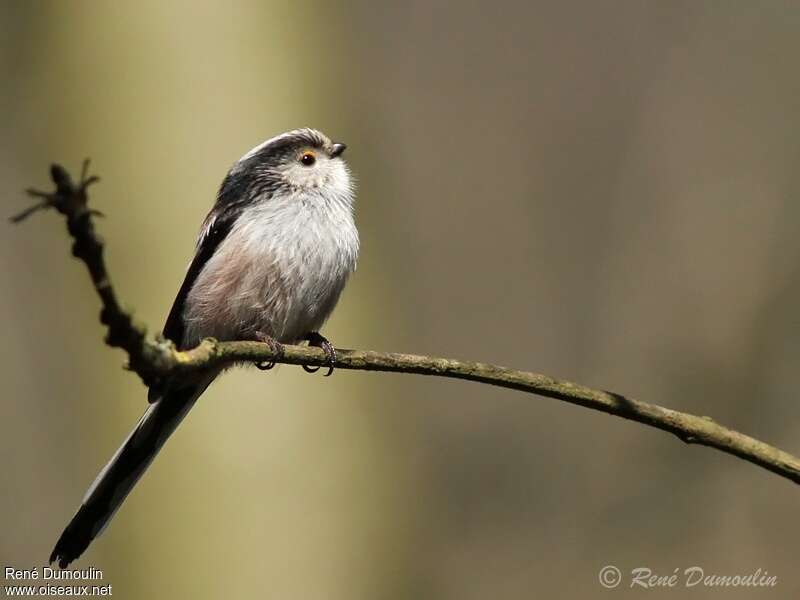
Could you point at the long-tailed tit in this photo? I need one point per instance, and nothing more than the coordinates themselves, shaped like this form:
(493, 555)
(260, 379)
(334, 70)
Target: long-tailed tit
(271, 260)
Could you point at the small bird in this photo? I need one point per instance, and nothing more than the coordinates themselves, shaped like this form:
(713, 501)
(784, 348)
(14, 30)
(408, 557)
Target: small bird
(270, 263)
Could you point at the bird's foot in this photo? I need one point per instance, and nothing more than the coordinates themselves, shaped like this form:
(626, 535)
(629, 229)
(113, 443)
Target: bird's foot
(273, 344)
(315, 339)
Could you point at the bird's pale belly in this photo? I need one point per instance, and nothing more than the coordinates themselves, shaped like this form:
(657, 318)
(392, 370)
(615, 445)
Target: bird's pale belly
(282, 291)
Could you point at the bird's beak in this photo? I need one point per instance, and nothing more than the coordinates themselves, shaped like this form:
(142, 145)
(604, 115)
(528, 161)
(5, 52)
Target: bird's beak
(337, 149)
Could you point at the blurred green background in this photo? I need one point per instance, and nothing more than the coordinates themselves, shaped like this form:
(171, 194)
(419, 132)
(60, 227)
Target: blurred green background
(603, 192)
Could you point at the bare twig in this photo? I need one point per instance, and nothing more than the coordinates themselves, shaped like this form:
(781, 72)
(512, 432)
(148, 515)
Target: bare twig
(153, 360)
(147, 358)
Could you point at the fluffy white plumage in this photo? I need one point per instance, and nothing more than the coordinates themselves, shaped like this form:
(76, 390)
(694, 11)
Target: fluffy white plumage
(283, 265)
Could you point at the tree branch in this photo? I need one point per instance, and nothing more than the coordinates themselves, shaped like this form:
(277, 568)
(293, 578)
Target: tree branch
(156, 359)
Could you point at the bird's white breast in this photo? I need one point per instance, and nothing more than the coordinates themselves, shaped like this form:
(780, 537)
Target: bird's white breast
(279, 271)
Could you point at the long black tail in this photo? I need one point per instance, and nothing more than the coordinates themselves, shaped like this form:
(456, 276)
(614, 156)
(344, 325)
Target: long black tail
(118, 477)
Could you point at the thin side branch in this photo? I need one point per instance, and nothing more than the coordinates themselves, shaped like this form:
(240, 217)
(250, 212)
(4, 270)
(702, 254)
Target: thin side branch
(145, 357)
(154, 360)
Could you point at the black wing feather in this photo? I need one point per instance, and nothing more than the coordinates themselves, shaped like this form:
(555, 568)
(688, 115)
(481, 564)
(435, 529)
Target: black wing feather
(216, 229)
(234, 194)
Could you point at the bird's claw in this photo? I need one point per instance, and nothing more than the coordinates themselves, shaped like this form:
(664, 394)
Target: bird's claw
(274, 345)
(315, 339)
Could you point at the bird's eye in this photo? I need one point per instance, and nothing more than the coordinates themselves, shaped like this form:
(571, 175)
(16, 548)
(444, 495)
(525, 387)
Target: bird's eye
(308, 158)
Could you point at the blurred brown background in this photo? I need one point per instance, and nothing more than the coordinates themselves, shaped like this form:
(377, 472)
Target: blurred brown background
(604, 192)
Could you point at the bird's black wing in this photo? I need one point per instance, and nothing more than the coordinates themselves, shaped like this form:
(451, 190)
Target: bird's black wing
(216, 227)
(233, 196)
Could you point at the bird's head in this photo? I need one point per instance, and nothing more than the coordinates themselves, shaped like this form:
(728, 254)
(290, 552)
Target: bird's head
(302, 160)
